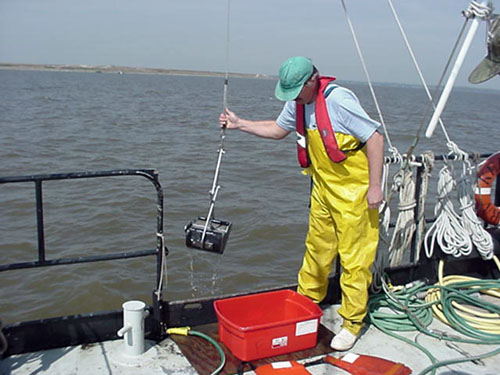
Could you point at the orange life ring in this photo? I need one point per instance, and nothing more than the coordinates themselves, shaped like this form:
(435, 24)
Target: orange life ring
(487, 174)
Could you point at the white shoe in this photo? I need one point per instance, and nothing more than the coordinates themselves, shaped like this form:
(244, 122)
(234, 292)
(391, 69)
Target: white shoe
(344, 340)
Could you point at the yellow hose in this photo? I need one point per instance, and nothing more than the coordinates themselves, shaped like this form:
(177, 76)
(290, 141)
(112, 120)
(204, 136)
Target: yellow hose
(478, 319)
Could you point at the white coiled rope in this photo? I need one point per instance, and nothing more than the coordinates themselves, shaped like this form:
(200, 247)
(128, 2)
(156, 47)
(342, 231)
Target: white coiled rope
(447, 231)
(410, 222)
(428, 165)
(480, 237)
(405, 223)
(456, 234)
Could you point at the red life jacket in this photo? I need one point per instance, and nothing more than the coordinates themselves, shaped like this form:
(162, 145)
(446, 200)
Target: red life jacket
(324, 127)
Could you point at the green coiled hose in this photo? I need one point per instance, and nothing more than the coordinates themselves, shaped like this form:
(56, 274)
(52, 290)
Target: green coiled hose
(405, 309)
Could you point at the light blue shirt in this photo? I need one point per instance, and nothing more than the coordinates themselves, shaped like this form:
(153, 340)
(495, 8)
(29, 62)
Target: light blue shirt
(346, 115)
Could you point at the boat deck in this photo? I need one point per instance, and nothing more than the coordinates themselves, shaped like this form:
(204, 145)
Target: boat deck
(166, 358)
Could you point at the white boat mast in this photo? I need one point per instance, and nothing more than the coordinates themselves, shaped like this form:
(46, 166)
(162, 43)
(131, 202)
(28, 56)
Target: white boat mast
(474, 7)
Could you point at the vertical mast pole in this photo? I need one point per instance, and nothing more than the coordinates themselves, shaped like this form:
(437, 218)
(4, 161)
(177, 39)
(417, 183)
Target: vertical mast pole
(453, 75)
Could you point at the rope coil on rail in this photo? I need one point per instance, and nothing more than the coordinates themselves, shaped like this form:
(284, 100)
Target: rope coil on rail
(405, 223)
(456, 234)
(428, 165)
(479, 236)
(447, 231)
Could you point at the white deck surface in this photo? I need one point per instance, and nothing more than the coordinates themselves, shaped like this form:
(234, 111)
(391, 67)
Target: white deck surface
(166, 358)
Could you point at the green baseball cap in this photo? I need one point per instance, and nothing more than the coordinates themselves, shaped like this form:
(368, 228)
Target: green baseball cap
(294, 72)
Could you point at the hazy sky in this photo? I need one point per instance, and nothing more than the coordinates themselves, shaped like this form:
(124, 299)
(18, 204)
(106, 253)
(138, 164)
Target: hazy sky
(191, 34)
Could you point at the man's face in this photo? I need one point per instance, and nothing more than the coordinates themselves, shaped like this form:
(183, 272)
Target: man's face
(308, 92)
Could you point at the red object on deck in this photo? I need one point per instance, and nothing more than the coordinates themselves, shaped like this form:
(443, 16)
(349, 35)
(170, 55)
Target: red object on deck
(360, 364)
(267, 324)
(282, 368)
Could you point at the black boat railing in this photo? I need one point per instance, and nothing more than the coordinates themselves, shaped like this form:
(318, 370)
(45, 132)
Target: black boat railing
(103, 325)
(150, 174)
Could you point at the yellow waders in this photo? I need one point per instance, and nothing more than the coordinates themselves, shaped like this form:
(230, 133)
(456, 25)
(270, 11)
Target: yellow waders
(340, 223)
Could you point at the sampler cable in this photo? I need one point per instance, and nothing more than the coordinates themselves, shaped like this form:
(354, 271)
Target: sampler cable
(208, 233)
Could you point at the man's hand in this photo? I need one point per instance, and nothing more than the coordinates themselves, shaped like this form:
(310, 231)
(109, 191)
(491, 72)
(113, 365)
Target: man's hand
(228, 119)
(375, 197)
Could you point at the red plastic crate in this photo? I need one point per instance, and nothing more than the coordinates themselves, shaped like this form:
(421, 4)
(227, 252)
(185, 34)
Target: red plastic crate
(267, 324)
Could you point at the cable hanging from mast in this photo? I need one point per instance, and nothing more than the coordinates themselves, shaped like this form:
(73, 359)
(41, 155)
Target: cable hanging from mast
(208, 233)
(226, 77)
(215, 184)
(392, 149)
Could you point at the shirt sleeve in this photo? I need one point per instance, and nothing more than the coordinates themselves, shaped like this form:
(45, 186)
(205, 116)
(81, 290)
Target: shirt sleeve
(286, 119)
(352, 118)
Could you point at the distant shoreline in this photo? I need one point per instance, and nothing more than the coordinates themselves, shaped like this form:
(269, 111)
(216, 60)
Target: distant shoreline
(123, 69)
(115, 69)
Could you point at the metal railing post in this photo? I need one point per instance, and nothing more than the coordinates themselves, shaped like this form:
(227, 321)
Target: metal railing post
(39, 221)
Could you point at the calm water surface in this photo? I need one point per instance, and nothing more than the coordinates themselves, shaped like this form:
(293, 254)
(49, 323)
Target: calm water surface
(55, 122)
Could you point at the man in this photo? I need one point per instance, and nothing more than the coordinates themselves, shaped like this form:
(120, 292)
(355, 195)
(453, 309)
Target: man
(343, 150)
